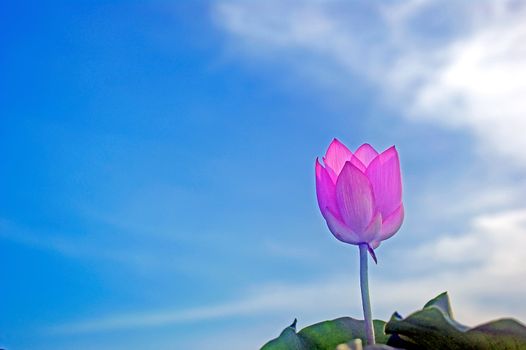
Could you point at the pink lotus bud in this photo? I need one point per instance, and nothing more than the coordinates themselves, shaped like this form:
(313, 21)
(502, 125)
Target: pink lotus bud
(360, 194)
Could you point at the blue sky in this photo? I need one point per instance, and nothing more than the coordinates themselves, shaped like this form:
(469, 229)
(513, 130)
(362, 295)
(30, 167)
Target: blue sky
(157, 187)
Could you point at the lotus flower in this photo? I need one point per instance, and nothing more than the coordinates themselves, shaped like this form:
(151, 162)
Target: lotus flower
(360, 194)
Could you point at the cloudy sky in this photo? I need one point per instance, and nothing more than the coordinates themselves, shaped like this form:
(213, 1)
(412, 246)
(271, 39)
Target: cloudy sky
(157, 165)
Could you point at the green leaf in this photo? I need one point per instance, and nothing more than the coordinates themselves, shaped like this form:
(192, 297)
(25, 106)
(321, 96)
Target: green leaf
(441, 302)
(287, 340)
(328, 334)
(433, 327)
(325, 335)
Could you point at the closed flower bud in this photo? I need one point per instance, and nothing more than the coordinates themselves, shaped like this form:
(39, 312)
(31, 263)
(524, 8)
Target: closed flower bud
(360, 194)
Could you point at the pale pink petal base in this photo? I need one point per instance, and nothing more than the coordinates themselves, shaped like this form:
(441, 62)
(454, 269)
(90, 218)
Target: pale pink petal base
(341, 231)
(372, 230)
(374, 244)
(391, 224)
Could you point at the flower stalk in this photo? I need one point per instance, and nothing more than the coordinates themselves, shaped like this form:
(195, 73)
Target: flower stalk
(366, 302)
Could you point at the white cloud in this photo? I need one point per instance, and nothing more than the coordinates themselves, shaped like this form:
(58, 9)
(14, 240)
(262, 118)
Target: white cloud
(484, 268)
(482, 86)
(458, 64)
(491, 286)
(278, 298)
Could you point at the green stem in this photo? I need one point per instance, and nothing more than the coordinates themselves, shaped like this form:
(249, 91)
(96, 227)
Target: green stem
(366, 303)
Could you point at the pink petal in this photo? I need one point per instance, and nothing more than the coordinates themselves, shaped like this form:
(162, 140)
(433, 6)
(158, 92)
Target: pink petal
(332, 175)
(384, 175)
(355, 199)
(366, 153)
(325, 189)
(374, 244)
(373, 229)
(336, 156)
(341, 231)
(358, 163)
(391, 224)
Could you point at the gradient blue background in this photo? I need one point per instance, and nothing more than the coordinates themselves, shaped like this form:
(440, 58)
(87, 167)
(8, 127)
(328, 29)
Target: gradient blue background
(157, 163)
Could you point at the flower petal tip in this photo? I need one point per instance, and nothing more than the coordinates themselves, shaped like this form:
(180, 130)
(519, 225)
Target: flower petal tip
(336, 156)
(390, 150)
(366, 153)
